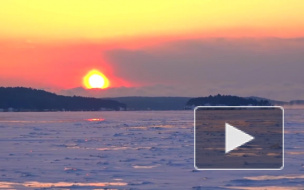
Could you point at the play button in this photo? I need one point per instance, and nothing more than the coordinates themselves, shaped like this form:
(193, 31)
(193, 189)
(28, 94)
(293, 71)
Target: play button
(235, 138)
(238, 138)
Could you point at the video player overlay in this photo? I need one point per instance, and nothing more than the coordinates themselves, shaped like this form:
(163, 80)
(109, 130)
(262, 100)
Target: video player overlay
(239, 138)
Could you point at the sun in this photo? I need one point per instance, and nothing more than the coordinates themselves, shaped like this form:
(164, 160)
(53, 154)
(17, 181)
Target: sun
(95, 79)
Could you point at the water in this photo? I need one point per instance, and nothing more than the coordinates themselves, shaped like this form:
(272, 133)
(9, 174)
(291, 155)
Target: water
(126, 150)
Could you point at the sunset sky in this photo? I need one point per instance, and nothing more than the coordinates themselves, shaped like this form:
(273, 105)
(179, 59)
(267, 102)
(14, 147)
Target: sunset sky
(155, 48)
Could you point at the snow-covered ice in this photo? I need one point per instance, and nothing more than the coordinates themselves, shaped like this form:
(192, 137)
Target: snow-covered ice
(126, 150)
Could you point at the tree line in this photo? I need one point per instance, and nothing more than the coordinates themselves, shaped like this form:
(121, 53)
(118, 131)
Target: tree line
(29, 99)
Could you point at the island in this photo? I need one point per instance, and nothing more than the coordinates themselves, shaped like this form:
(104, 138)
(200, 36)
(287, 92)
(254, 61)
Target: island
(225, 100)
(29, 99)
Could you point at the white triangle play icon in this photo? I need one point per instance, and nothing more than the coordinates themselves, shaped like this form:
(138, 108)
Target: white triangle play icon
(235, 137)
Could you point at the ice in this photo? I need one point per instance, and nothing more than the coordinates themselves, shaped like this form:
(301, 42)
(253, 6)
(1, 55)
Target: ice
(126, 150)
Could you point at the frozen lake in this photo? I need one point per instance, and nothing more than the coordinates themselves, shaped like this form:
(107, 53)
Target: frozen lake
(126, 150)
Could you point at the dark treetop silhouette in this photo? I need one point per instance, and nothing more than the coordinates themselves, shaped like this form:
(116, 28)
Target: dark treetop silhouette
(28, 99)
(226, 100)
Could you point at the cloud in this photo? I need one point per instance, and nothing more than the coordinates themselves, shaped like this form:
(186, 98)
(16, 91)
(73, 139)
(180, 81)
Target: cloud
(272, 68)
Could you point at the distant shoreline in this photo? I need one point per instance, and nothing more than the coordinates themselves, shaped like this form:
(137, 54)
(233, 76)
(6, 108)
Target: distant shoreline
(20, 99)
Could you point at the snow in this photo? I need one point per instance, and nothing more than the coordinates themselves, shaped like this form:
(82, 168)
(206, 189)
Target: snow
(126, 150)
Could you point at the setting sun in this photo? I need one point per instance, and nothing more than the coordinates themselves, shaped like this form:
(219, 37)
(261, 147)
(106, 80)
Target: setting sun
(95, 79)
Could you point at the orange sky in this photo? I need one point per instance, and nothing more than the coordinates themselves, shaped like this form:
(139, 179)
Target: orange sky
(53, 44)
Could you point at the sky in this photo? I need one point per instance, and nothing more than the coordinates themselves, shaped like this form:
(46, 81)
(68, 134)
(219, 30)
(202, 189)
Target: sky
(155, 48)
